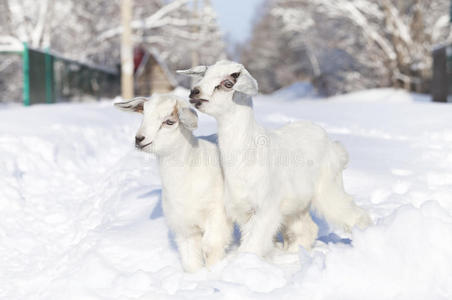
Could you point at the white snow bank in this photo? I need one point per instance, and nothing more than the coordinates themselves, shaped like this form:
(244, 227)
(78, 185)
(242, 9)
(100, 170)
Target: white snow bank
(297, 90)
(406, 256)
(382, 95)
(81, 216)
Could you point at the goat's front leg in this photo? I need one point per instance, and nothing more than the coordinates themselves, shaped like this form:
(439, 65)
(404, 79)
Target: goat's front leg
(217, 236)
(190, 251)
(258, 232)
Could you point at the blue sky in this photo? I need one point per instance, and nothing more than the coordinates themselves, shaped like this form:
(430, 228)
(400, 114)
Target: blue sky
(235, 17)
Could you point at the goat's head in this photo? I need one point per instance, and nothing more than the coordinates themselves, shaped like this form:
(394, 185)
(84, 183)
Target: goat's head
(214, 91)
(165, 118)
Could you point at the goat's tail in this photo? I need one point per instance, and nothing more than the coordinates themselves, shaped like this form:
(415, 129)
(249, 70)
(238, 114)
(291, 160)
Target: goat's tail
(338, 157)
(330, 200)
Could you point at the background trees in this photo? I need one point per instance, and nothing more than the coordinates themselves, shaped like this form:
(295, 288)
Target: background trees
(344, 45)
(89, 30)
(339, 45)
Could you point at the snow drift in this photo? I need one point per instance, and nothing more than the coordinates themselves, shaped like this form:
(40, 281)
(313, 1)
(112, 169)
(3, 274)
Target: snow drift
(81, 218)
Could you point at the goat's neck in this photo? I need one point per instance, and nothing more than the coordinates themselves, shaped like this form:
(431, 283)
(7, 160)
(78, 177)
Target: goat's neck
(171, 162)
(237, 127)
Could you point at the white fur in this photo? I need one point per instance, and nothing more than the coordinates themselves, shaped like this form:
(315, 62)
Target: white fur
(274, 177)
(192, 180)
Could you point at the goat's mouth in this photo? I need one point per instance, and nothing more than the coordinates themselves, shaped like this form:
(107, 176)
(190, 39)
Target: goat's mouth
(198, 102)
(141, 147)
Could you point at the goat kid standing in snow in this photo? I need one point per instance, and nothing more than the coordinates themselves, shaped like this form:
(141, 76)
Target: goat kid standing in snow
(192, 179)
(272, 177)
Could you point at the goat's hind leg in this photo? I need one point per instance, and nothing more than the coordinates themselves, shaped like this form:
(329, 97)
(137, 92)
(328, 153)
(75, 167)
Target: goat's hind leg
(299, 230)
(258, 232)
(337, 207)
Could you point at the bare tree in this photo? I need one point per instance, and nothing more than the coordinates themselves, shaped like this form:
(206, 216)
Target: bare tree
(89, 31)
(355, 44)
(270, 55)
(169, 29)
(67, 27)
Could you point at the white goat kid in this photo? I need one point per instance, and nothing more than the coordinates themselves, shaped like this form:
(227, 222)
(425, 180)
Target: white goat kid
(192, 179)
(272, 177)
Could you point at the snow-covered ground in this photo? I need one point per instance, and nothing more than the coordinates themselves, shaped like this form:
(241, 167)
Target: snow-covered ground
(81, 218)
(297, 90)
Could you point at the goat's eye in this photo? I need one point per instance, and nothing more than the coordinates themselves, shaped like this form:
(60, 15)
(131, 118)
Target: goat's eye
(235, 75)
(229, 84)
(169, 122)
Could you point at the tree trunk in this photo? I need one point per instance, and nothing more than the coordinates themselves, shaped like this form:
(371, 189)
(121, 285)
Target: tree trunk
(126, 50)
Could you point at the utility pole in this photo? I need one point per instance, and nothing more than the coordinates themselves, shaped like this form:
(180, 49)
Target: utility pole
(195, 30)
(126, 50)
(194, 53)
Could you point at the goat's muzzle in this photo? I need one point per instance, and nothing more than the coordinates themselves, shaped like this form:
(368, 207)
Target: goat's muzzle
(141, 147)
(138, 140)
(194, 92)
(198, 102)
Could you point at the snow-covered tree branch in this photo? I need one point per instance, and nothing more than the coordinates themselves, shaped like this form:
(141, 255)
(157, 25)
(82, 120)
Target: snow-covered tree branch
(353, 44)
(89, 30)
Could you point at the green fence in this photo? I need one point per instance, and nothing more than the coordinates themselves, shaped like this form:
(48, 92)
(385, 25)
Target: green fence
(49, 78)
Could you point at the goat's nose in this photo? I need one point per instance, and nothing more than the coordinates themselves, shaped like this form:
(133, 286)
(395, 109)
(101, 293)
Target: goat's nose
(194, 92)
(139, 139)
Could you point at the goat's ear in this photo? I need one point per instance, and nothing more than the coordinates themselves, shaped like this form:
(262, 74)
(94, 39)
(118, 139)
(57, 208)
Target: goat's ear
(187, 115)
(197, 71)
(246, 83)
(136, 104)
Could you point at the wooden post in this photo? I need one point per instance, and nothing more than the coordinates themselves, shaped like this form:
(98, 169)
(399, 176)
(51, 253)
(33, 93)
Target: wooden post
(194, 52)
(126, 50)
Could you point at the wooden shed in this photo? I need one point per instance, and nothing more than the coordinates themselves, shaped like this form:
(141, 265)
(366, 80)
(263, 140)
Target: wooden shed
(151, 73)
(441, 87)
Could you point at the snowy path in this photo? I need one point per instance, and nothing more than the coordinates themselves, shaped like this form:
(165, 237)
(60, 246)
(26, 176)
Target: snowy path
(80, 216)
